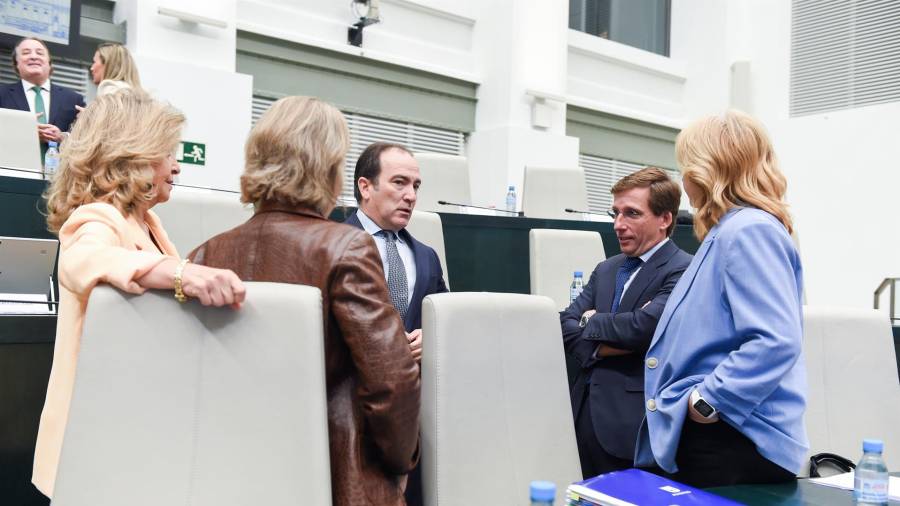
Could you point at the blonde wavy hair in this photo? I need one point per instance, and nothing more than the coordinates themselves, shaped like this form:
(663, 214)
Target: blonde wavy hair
(109, 154)
(295, 155)
(730, 159)
(118, 64)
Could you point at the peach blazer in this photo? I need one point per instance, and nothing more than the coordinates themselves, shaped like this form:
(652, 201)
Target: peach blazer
(97, 245)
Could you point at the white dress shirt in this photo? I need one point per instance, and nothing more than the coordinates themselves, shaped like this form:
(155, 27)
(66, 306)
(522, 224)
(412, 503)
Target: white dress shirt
(45, 94)
(405, 251)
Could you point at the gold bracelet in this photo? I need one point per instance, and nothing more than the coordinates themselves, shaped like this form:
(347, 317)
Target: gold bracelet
(179, 292)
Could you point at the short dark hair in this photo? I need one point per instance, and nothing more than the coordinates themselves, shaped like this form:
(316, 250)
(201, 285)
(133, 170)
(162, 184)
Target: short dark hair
(368, 165)
(665, 195)
(15, 59)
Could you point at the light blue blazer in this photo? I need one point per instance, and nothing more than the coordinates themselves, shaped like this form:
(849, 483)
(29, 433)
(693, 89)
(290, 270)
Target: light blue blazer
(732, 328)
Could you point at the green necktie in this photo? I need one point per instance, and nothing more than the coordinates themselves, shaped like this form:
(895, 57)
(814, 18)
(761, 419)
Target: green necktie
(38, 109)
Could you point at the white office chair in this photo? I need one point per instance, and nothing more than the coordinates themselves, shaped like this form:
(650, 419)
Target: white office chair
(548, 192)
(192, 216)
(444, 177)
(183, 404)
(427, 228)
(853, 388)
(495, 403)
(555, 255)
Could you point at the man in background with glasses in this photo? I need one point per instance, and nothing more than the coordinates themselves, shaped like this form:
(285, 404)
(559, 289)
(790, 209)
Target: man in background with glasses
(608, 328)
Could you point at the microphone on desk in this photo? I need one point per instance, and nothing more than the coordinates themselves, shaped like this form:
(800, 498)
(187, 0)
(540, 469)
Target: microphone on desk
(575, 211)
(445, 203)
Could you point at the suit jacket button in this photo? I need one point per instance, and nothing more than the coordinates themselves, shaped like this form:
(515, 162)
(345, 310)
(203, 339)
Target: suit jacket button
(651, 405)
(652, 362)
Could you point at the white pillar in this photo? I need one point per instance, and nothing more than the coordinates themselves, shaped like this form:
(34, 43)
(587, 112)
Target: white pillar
(185, 53)
(524, 51)
(163, 35)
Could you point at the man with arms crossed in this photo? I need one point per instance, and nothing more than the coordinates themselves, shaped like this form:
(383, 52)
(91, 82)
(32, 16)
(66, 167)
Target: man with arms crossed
(53, 105)
(608, 328)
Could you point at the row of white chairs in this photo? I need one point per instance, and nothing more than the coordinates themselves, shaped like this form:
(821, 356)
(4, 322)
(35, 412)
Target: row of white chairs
(192, 216)
(218, 407)
(546, 191)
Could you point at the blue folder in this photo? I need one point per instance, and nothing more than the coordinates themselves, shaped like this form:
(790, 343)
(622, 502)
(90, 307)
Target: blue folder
(635, 487)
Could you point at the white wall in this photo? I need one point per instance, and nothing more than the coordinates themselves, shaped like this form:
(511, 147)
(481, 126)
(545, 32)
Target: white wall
(216, 104)
(434, 36)
(841, 166)
(842, 173)
(191, 66)
(160, 36)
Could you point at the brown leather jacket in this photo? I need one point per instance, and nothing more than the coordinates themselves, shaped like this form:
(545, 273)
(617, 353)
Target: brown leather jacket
(372, 380)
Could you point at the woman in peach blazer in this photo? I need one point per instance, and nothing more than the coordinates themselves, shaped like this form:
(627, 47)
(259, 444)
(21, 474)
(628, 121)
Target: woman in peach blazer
(116, 164)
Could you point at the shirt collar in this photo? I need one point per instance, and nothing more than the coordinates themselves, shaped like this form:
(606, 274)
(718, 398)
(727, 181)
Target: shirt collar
(27, 85)
(650, 252)
(368, 225)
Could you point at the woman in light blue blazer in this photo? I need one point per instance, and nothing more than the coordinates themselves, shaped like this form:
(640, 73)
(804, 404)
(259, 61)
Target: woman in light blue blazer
(725, 384)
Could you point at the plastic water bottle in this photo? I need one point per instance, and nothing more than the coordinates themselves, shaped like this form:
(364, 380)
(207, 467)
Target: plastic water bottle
(543, 493)
(870, 480)
(51, 159)
(511, 199)
(576, 287)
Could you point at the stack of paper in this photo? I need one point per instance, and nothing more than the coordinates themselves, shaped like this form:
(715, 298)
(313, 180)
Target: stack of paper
(634, 487)
(845, 481)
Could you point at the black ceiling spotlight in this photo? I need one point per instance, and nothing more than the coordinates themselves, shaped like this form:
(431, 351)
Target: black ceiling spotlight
(371, 16)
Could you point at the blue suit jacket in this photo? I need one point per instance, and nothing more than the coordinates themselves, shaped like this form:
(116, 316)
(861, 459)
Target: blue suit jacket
(429, 275)
(733, 329)
(62, 103)
(615, 384)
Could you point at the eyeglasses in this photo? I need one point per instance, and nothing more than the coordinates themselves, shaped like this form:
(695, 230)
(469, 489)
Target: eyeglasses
(628, 214)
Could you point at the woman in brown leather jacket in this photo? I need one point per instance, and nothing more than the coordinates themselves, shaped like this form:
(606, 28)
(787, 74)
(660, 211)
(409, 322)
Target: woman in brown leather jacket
(293, 174)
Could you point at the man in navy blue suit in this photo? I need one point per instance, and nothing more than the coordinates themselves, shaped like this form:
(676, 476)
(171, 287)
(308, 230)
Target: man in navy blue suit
(53, 105)
(608, 328)
(387, 180)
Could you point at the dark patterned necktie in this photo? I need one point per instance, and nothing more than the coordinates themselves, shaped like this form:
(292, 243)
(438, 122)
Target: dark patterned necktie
(622, 275)
(396, 278)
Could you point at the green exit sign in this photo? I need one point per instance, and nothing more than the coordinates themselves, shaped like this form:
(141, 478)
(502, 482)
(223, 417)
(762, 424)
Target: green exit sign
(192, 152)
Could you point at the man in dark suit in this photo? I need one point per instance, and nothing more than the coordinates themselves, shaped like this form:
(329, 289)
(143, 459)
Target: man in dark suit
(387, 179)
(53, 105)
(608, 328)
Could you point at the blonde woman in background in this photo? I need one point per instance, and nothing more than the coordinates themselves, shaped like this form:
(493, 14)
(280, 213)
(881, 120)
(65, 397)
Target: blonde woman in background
(114, 69)
(116, 165)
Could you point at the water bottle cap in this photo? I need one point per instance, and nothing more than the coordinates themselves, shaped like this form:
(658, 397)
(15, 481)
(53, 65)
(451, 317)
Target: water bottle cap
(579, 274)
(543, 491)
(873, 446)
(52, 144)
(512, 188)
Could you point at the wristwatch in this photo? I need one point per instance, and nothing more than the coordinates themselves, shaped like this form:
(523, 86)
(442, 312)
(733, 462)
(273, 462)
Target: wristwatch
(702, 407)
(584, 320)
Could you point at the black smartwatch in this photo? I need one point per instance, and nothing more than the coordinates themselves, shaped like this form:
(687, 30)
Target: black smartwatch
(704, 408)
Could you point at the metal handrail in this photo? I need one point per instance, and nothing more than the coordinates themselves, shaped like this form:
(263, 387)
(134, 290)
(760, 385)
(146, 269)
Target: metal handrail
(892, 282)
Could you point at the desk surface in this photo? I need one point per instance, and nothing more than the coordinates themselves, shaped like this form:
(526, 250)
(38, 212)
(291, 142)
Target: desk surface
(800, 492)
